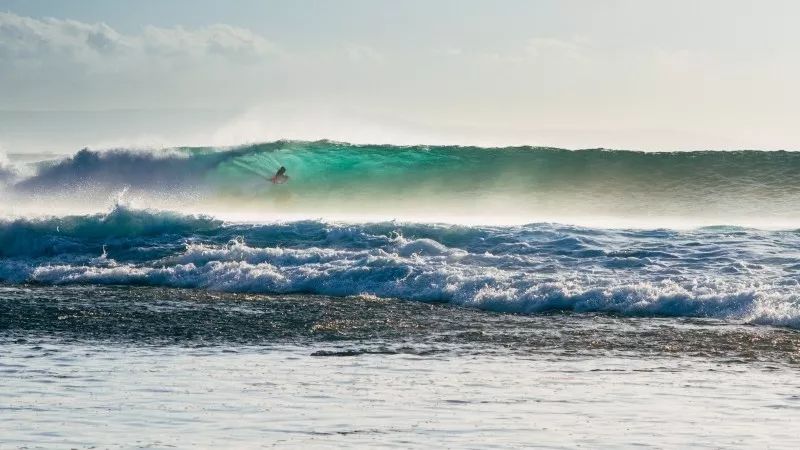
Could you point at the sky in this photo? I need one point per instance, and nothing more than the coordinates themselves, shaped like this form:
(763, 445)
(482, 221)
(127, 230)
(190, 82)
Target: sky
(638, 74)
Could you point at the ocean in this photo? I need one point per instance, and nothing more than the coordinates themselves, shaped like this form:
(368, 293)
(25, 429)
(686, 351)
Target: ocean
(399, 297)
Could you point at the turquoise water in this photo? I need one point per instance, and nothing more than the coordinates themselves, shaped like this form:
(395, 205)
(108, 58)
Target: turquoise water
(472, 298)
(520, 184)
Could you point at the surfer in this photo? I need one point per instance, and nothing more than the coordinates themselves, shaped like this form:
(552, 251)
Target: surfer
(280, 176)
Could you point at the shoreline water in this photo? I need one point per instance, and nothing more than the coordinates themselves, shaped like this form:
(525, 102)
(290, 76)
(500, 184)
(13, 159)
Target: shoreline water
(144, 316)
(118, 367)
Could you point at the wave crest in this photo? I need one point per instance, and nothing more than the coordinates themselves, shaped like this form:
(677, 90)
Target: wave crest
(734, 274)
(64, 235)
(432, 181)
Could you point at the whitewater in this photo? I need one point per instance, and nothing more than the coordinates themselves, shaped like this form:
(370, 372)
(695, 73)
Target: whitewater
(178, 223)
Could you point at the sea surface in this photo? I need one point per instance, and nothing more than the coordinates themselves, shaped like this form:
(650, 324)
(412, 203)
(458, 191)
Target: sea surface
(399, 297)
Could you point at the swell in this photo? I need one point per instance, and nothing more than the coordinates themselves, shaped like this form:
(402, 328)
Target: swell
(725, 272)
(537, 183)
(331, 164)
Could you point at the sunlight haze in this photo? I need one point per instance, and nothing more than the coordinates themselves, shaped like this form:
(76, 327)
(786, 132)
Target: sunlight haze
(647, 75)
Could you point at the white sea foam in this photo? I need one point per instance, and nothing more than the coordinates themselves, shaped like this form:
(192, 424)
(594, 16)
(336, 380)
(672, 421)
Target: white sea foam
(424, 269)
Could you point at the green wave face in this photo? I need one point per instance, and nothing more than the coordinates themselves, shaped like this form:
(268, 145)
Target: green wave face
(522, 182)
(473, 180)
(324, 164)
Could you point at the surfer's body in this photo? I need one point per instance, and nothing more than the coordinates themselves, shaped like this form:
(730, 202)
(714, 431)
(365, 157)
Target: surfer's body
(280, 176)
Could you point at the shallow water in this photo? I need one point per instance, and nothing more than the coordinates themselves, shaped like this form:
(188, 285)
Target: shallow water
(93, 366)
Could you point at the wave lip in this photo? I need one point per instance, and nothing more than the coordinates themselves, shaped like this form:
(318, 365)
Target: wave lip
(731, 274)
(434, 181)
(77, 234)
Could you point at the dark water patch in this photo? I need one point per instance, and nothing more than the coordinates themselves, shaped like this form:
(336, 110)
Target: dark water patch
(44, 317)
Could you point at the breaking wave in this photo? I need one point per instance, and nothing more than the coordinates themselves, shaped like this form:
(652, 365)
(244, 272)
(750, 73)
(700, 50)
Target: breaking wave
(728, 273)
(533, 184)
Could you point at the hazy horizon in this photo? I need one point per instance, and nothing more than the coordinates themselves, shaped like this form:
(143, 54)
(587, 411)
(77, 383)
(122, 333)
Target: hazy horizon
(619, 74)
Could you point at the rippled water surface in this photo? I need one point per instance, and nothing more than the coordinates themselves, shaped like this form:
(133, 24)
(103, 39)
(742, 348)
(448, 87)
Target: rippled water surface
(94, 366)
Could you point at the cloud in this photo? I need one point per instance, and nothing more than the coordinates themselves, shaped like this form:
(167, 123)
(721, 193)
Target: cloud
(24, 38)
(180, 80)
(222, 40)
(67, 64)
